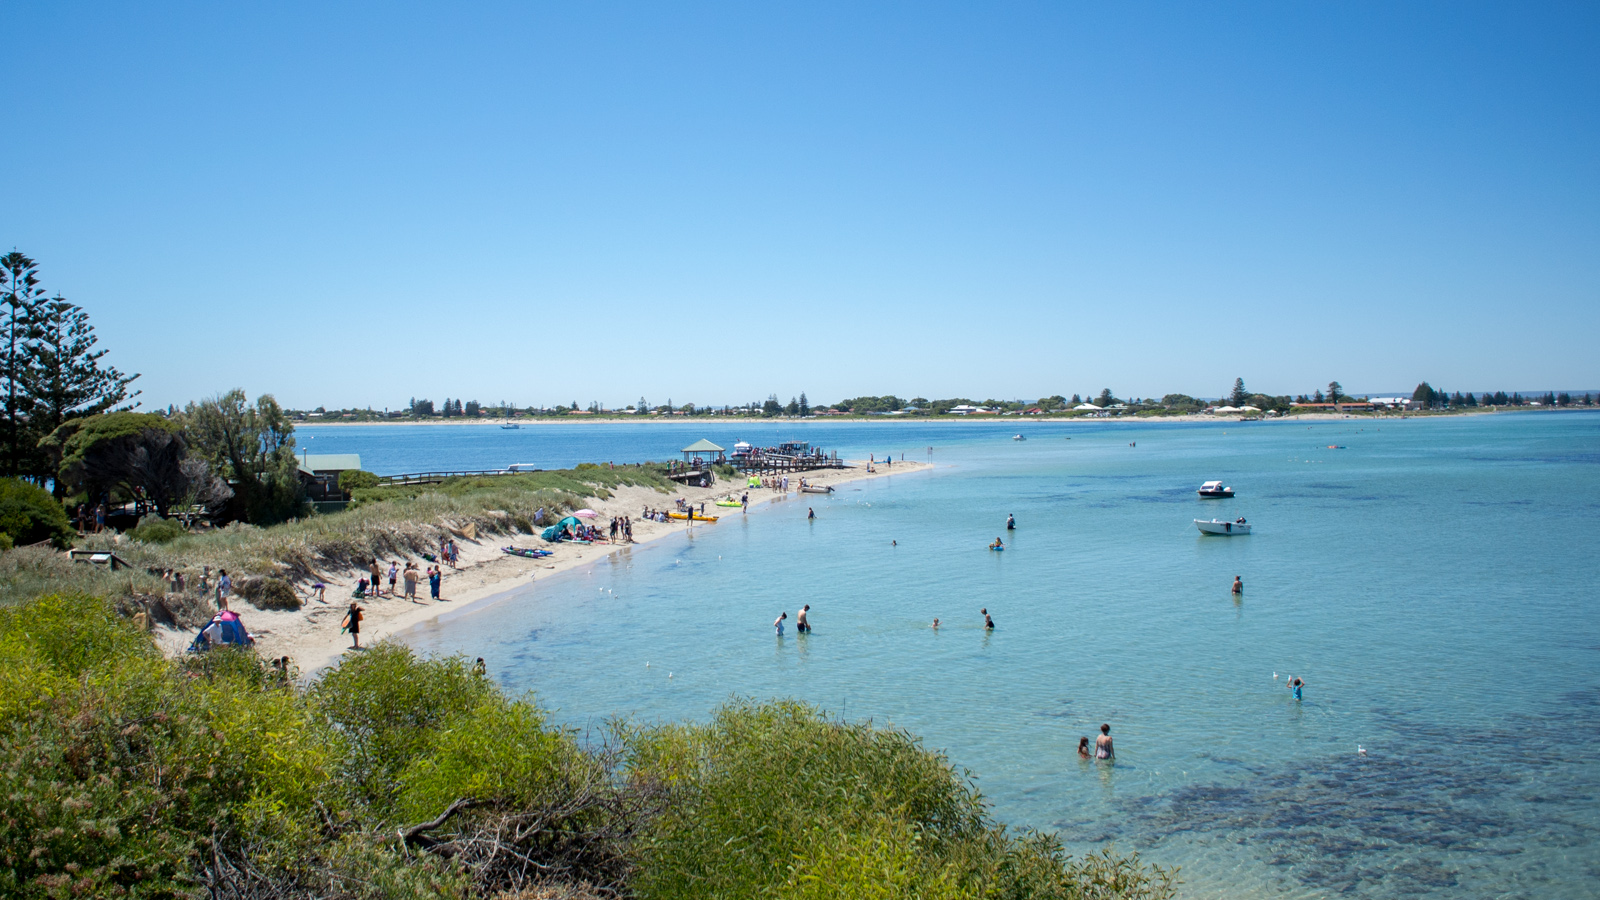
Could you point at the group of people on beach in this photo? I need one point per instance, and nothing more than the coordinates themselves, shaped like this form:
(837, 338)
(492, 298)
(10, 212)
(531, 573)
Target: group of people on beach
(371, 583)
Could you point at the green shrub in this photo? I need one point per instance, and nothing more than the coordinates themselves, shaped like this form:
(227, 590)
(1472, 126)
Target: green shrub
(355, 479)
(28, 515)
(269, 593)
(156, 530)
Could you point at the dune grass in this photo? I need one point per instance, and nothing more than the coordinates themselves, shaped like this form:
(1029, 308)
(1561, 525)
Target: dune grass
(382, 522)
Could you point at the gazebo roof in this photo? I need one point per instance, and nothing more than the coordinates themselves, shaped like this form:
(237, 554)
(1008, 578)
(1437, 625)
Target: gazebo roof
(702, 446)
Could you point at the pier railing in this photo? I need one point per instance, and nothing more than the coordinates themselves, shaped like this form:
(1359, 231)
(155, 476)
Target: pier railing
(436, 477)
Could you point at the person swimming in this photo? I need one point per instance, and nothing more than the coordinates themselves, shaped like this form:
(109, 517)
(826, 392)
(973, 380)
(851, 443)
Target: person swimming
(998, 544)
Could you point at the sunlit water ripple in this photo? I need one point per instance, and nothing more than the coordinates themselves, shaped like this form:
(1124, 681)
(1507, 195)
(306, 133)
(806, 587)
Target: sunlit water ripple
(1431, 582)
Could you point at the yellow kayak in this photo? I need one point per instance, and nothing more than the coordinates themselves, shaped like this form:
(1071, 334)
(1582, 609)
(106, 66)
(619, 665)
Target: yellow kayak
(697, 517)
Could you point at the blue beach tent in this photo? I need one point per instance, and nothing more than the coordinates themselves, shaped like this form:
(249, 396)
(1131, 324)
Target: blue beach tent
(558, 531)
(224, 628)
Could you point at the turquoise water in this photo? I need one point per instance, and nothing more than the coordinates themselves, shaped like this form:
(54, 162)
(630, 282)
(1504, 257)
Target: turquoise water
(1431, 582)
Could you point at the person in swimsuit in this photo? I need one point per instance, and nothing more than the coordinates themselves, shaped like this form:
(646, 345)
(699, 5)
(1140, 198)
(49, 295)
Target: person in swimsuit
(1102, 744)
(394, 575)
(352, 623)
(1295, 685)
(811, 513)
(778, 622)
(935, 624)
(801, 624)
(988, 621)
(1238, 586)
(1083, 748)
(1011, 522)
(377, 579)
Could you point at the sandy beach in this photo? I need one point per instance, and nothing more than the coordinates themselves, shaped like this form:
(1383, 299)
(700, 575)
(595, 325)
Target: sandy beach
(313, 639)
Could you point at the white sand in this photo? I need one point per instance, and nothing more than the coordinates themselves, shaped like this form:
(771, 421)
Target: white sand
(312, 638)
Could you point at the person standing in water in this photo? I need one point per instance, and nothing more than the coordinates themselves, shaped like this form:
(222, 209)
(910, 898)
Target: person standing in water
(1238, 586)
(1295, 685)
(778, 622)
(988, 621)
(1083, 748)
(1102, 744)
(1011, 522)
(811, 513)
(801, 624)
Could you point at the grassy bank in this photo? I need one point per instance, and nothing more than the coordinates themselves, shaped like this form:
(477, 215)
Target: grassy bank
(126, 774)
(383, 522)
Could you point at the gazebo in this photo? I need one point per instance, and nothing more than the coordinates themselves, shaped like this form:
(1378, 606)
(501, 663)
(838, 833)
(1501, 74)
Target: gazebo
(702, 448)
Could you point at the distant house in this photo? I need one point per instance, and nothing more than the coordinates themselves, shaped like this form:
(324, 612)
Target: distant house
(319, 472)
(965, 410)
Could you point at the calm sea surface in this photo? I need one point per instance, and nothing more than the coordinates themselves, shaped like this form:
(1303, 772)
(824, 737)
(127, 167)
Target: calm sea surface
(1431, 580)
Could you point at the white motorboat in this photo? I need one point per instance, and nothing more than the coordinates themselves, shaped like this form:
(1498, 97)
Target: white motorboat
(1218, 526)
(1018, 437)
(511, 426)
(1214, 489)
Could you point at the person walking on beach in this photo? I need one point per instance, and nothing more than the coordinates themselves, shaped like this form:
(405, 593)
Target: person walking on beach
(352, 624)
(801, 624)
(988, 620)
(411, 582)
(435, 576)
(455, 554)
(1102, 744)
(394, 575)
(778, 622)
(1238, 586)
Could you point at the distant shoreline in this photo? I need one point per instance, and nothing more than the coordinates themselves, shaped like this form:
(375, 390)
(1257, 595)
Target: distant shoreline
(889, 420)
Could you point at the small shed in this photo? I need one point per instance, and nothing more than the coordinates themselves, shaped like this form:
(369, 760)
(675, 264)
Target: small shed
(703, 450)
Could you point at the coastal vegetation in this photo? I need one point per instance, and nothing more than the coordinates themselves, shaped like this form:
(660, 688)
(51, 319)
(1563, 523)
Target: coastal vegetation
(393, 776)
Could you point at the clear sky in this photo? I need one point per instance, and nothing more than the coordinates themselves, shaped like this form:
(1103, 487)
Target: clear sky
(348, 204)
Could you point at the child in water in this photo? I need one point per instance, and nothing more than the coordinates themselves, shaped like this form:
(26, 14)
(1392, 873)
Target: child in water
(1083, 748)
(778, 622)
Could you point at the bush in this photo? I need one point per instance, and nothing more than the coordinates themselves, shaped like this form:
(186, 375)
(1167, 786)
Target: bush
(269, 593)
(28, 515)
(126, 774)
(156, 530)
(355, 479)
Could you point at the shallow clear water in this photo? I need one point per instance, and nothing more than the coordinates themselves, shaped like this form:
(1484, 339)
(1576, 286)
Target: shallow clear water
(1431, 582)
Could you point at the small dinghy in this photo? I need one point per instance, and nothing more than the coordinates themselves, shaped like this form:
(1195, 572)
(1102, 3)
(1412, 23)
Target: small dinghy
(1218, 526)
(1018, 437)
(1214, 489)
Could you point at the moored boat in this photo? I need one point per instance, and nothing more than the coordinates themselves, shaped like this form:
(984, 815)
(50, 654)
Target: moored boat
(1214, 489)
(1018, 437)
(1218, 526)
(817, 489)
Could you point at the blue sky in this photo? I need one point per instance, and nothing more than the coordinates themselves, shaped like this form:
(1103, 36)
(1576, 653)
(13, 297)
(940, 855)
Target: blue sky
(354, 205)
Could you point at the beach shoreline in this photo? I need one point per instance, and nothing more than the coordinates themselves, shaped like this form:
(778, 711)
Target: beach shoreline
(312, 636)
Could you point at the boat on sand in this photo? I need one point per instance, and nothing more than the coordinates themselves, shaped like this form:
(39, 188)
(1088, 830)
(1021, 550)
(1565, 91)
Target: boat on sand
(697, 517)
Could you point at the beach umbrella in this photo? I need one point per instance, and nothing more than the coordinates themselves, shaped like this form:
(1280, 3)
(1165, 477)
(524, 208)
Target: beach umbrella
(587, 514)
